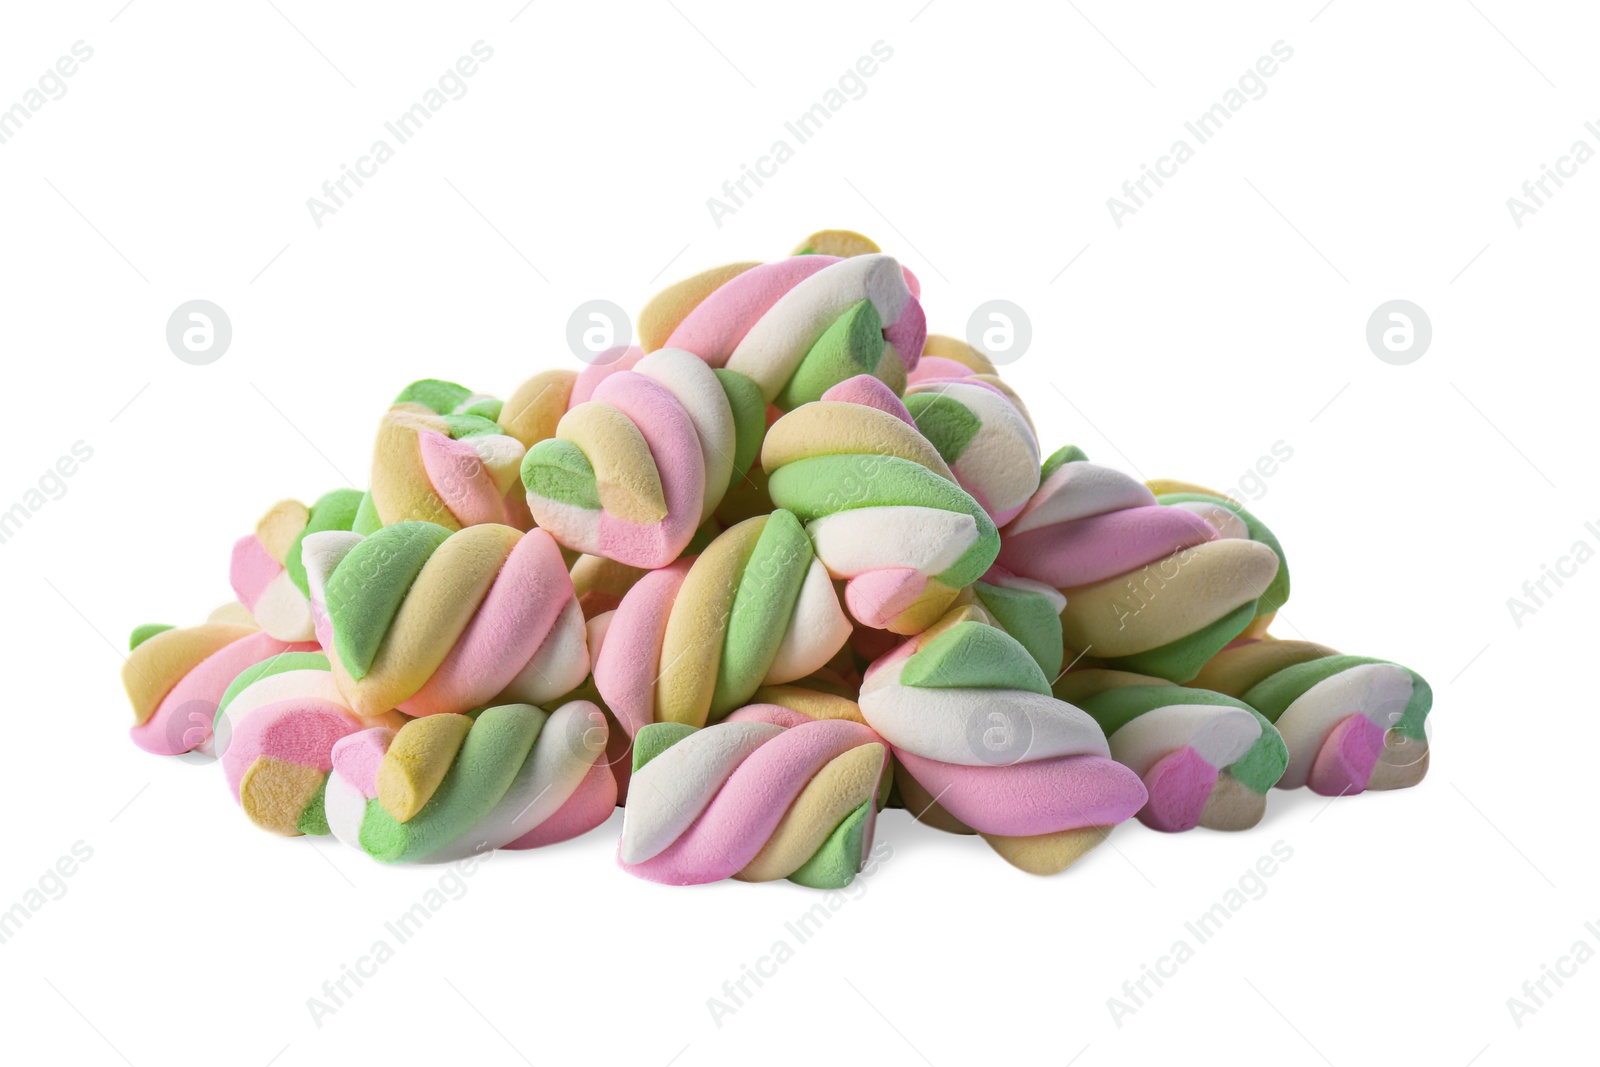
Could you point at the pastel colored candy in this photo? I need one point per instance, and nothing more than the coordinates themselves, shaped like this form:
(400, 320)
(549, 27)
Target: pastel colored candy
(832, 691)
(1206, 759)
(1029, 611)
(841, 243)
(644, 455)
(441, 457)
(534, 409)
(880, 505)
(691, 642)
(1231, 519)
(447, 398)
(668, 308)
(619, 743)
(232, 612)
(822, 695)
(276, 726)
(446, 787)
(950, 357)
(600, 583)
(420, 619)
(796, 326)
(1351, 723)
(1151, 589)
(767, 793)
(267, 572)
(973, 724)
(176, 677)
(592, 595)
(982, 430)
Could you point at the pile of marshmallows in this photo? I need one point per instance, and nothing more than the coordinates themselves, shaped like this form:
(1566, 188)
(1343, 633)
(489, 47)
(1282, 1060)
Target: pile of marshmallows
(787, 562)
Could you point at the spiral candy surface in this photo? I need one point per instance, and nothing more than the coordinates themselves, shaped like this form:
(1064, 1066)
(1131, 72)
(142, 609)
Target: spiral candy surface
(880, 505)
(448, 786)
(1351, 723)
(1206, 759)
(644, 455)
(694, 641)
(276, 727)
(427, 621)
(440, 457)
(972, 721)
(267, 571)
(796, 326)
(176, 677)
(1150, 589)
(767, 793)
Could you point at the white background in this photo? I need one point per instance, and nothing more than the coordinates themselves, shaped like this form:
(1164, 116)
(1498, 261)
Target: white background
(1226, 315)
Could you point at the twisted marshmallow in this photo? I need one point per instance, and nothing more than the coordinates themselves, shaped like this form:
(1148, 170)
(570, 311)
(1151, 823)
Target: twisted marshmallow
(1150, 589)
(1351, 723)
(440, 457)
(880, 505)
(982, 430)
(275, 728)
(694, 641)
(644, 455)
(797, 326)
(175, 679)
(267, 572)
(418, 618)
(449, 786)
(972, 722)
(1231, 519)
(767, 793)
(1205, 759)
